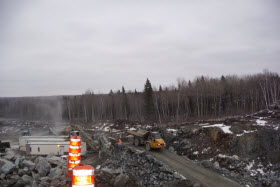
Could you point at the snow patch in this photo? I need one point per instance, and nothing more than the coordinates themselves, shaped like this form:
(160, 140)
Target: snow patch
(106, 129)
(246, 132)
(180, 175)
(115, 130)
(261, 122)
(195, 153)
(203, 124)
(251, 164)
(148, 127)
(102, 126)
(205, 150)
(226, 156)
(260, 170)
(172, 130)
(221, 126)
(195, 130)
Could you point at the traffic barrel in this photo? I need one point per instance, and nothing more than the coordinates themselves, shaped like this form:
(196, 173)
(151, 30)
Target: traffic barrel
(74, 157)
(74, 149)
(72, 164)
(83, 176)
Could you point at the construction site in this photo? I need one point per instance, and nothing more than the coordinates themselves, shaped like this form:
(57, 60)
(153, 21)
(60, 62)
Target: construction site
(232, 151)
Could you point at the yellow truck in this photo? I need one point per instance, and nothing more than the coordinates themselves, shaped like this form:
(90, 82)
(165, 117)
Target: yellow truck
(151, 140)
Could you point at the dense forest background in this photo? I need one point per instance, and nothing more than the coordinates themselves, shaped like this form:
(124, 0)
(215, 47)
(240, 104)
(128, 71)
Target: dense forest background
(203, 97)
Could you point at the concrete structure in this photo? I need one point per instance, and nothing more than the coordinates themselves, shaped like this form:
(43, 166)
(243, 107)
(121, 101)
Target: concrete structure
(43, 145)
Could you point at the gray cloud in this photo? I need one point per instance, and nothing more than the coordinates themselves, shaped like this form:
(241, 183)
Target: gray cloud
(66, 47)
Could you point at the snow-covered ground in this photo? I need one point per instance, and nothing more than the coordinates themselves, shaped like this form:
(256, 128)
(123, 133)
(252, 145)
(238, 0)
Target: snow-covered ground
(246, 132)
(225, 128)
(261, 122)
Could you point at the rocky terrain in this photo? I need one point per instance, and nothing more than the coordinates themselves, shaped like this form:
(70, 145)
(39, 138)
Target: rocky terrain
(148, 170)
(22, 171)
(126, 168)
(244, 148)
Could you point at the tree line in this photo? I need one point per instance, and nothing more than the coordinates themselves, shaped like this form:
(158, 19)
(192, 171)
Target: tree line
(203, 97)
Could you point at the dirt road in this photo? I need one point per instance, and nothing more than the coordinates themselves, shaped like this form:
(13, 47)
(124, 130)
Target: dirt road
(190, 170)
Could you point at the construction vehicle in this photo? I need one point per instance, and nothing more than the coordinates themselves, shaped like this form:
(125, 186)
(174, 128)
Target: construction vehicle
(151, 140)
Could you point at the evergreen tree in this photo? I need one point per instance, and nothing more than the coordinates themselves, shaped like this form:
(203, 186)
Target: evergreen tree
(125, 105)
(190, 84)
(148, 101)
(160, 88)
(113, 113)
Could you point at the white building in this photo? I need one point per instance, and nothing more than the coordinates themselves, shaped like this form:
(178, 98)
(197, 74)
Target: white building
(43, 145)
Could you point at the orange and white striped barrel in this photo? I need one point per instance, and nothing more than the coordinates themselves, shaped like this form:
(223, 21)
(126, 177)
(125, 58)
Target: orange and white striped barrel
(72, 164)
(74, 158)
(74, 149)
(83, 176)
(75, 141)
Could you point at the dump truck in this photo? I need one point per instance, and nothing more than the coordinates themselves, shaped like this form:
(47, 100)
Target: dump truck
(151, 140)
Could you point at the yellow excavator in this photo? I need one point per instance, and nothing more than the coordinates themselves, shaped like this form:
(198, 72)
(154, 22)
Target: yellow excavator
(151, 140)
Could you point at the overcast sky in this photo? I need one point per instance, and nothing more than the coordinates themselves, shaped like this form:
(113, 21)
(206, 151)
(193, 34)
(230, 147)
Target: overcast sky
(65, 47)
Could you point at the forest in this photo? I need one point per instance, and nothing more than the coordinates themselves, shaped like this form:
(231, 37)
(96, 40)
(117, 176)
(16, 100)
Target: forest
(203, 97)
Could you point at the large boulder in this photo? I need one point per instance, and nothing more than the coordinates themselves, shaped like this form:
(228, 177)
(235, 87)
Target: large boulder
(206, 163)
(43, 167)
(18, 161)
(50, 155)
(45, 182)
(27, 179)
(103, 178)
(216, 165)
(121, 180)
(28, 163)
(36, 176)
(54, 160)
(55, 173)
(15, 178)
(7, 166)
(216, 134)
(10, 155)
(19, 184)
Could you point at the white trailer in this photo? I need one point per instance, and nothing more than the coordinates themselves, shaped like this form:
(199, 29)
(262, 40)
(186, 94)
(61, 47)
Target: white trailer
(23, 140)
(45, 148)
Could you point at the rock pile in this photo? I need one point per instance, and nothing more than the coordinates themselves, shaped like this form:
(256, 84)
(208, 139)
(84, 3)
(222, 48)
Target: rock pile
(114, 178)
(254, 139)
(21, 171)
(149, 171)
(251, 173)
